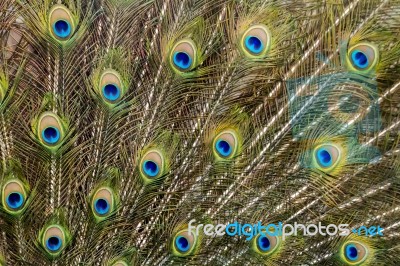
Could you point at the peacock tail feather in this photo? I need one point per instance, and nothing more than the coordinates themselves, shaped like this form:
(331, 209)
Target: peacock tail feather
(165, 132)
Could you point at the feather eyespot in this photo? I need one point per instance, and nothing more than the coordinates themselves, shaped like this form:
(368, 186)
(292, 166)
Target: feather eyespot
(51, 135)
(61, 22)
(50, 129)
(53, 243)
(354, 252)
(14, 196)
(226, 144)
(62, 28)
(266, 244)
(326, 156)
(15, 200)
(54, 239)
(223, 147)
(103, 203)
(183, 56)
(111, 92)
(359, 59)
(101, 206)
(256, 41)
(184, 243)
(363, 57)
(182, 60)
(152, 164)
(111, 86)
(150, 168)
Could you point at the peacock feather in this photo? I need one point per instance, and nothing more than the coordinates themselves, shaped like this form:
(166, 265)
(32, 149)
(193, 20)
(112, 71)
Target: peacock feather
(188, 132)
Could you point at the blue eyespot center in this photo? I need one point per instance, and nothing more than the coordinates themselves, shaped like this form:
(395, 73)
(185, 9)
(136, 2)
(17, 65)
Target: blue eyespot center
(51, 135)
(111, 92)
(324, 157)
(359, 58)
(351, 252)
(182, 60)
(15, 200)
(182, 244)
(150, 168)
(254, 44)
(223, 148)
(53, 243)
(263, 243)
(101, 206)
(62, 28)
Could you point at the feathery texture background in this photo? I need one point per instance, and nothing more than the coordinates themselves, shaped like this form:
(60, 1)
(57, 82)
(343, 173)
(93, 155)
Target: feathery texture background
(120, 121)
